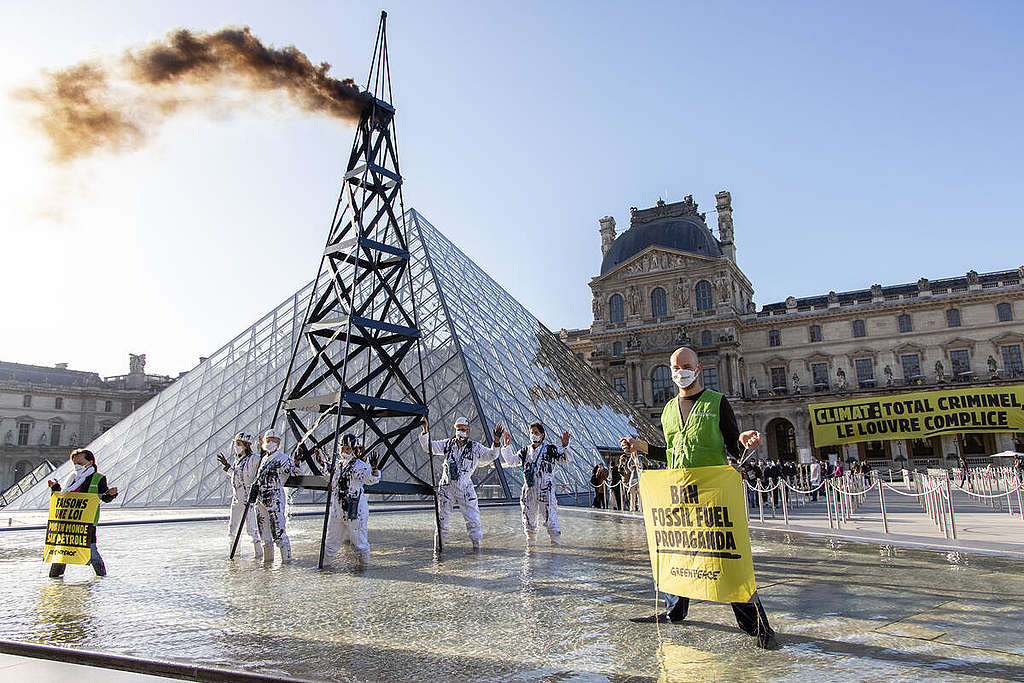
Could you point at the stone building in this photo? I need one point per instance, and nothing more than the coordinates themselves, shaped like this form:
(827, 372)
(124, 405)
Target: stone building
(45, 412)
(669, 281)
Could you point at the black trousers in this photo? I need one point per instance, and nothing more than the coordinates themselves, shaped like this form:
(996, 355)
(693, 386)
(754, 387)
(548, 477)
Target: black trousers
(750, 616)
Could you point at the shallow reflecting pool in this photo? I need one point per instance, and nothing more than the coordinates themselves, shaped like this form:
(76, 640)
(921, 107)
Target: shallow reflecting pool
(511, 613)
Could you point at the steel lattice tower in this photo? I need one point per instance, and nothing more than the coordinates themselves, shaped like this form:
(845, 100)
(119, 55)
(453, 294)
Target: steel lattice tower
(361, 321)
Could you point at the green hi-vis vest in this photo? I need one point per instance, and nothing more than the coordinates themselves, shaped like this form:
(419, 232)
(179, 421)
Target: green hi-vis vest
(94, 487)
(699, 442)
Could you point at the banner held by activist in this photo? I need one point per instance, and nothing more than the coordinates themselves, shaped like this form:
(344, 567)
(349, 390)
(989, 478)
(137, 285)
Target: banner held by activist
(71, 523)
(697, 533)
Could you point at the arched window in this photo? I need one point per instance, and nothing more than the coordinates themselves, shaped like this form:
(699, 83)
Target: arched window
(616, 348)
(661, 384)
(905, 323)
(706, 338)
(702, 293)
(774, 338)
(1005, 312)
(953, 317)
(615, 312)
(659, 303)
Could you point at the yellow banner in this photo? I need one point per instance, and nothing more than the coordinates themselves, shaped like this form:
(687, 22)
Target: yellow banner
(72, 516)
(919, 415)
(697, 533)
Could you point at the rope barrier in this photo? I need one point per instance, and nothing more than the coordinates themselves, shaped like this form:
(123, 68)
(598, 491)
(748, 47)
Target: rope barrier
(979, 495)
(853, 494)
(911, 495)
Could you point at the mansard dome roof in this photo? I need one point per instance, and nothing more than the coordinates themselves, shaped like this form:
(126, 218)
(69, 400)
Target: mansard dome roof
(683, 233)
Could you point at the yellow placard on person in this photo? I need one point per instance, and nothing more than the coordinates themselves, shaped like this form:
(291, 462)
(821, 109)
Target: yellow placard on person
(72, 516)
(697, 533)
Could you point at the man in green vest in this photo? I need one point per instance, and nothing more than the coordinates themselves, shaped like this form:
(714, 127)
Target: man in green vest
(701, 431)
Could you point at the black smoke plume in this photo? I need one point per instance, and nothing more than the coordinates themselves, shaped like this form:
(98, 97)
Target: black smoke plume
(118, 106)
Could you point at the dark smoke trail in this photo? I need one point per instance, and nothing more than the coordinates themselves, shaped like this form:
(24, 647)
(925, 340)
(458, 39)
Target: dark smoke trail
(90, 107)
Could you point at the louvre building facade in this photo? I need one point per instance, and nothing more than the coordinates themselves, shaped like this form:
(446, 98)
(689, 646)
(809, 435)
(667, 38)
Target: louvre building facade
(669, 281)
(513, 372)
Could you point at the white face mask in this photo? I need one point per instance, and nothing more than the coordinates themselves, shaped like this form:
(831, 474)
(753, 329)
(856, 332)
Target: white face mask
(239, 449)
(536, 438)
(684, 378)
(269, 446)
(462, 434)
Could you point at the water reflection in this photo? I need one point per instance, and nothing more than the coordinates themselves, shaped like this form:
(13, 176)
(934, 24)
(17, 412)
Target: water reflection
(63, 613)
(513, 611)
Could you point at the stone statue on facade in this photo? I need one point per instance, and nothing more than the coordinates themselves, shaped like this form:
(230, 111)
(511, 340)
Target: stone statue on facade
(841, 377)
(993, 369)
(136, 363)
(940, 372)
(633, 344)
(635, 300)
(74, 438)
(596, 306)
(681, 294)
(876, 291)
(682, 339)
(42, 438)
(833, 298)
(972, 277)
(923, 285)
(888, 376)
(753, 387)
(9, 438)
(796, 383)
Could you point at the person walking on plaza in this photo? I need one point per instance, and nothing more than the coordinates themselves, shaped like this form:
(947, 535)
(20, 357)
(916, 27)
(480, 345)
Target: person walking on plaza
(700, 430)
(275, 468)
(462, 456)
(242, 472)
(597, 480)
(815, 477)
(538, 461)
(85, 479)
(349, 511)
(614, 483)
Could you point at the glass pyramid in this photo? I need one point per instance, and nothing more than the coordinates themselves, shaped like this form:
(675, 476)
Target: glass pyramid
(485, 357)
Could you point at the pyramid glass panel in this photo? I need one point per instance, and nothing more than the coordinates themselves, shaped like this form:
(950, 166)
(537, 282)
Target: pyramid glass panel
(485, 358)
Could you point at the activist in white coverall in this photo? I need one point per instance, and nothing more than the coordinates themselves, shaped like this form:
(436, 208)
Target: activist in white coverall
(275, 468)
(349, 511)
(538, 461)
(242, 472)
(462, 456)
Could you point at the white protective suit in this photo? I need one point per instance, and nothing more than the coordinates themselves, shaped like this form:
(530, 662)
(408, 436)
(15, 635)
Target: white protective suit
(273, 472)
(465, 458)
(539, 499)
(242, 472)
(355, 473)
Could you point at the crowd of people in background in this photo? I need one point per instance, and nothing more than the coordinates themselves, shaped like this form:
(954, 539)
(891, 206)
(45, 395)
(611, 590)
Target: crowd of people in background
(617, 486)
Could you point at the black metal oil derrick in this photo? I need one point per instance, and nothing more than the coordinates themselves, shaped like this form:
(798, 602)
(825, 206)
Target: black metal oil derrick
(360, 322)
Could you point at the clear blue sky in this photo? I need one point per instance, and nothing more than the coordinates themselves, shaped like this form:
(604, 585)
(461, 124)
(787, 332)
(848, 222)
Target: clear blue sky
(862, 143)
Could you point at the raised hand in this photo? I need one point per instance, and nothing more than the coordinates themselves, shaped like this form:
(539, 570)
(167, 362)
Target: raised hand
(499, 429)
(507, 438)
(426, 426)
(631, 445)
(112, 491)
(566, 436)
(223, 460)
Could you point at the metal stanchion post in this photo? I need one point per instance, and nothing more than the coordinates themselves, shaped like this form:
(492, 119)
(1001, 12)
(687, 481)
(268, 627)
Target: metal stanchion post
(828, 503)
(952, 519)
(881, 503)
(785, 505)
(760, 504)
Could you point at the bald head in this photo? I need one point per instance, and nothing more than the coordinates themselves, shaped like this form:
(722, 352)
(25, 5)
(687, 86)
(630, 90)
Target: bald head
(684, 358)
